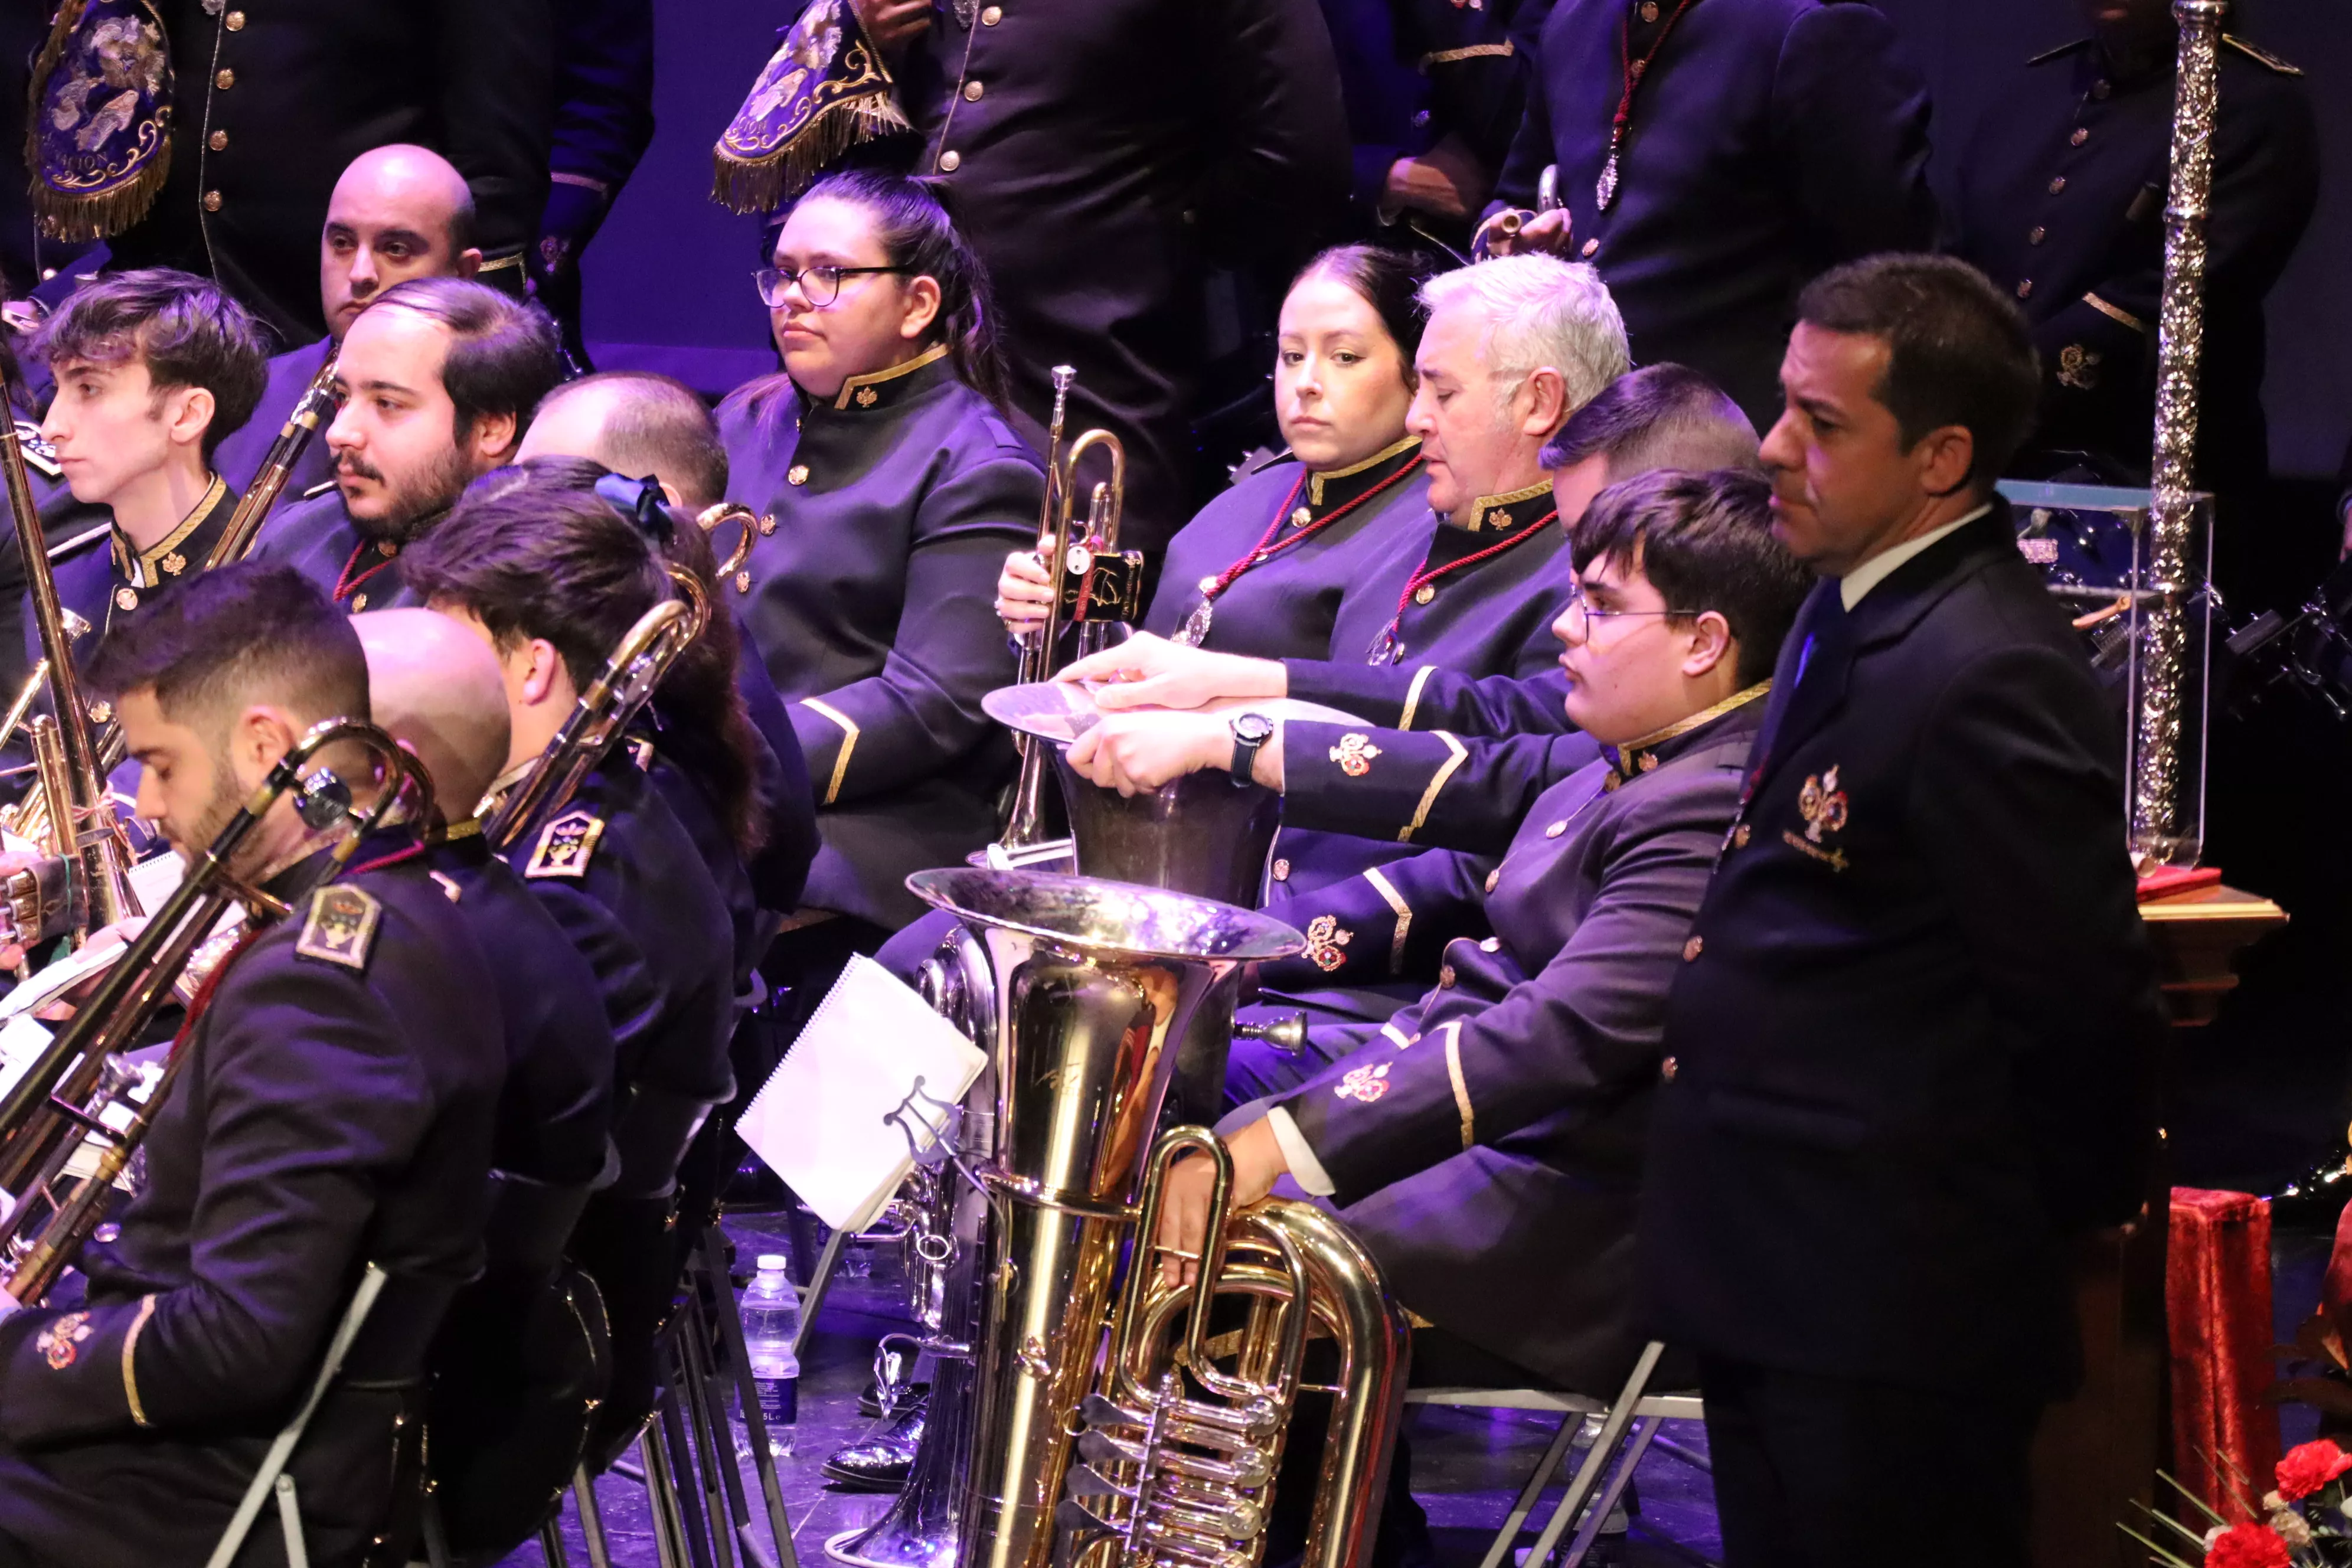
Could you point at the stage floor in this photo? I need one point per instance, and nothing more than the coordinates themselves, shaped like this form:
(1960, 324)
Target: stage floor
(1467, 1466)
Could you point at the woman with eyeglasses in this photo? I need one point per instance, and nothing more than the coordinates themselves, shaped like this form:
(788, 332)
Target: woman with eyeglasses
(1260, 571)
(889, 485)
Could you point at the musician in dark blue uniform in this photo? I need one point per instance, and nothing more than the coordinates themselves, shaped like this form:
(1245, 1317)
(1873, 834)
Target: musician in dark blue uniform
(274, 103)
(896, 487)
(153, 369)
(2062, 197)
(1512, 349)
(1915, 1027)
(1104, 155)
(398, 212)
(335, 1109)
(1486, 1141)
(433, 686)
(438, 377)
(551, 577)
(1261, 570)
(1715, 155)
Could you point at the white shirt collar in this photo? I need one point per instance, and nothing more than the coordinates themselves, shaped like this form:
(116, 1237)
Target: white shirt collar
(1879, 567)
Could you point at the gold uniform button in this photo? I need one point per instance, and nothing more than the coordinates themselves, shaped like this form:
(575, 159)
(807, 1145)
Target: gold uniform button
(2099, 89)
(2036, 235)
(218, 140)
(2025, 288)
(127, 598)
(1692, 949)
(1282, 871)
(2057, 185)
(2082, 134)
(359, 604)
(1555, 830)
(1425, 593)
(234, 21)
(1445, 978)
(1739, 836)
(1667, 1070)
(993, 16)
(950, 162)
(1491, 944)
(1590, 246)
(971, 91)
(1649, 10)
(224, 78)
(1494, 877)
(797, 474)
(212, 201)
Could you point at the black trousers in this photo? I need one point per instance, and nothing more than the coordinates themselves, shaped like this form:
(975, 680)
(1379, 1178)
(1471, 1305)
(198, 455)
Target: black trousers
(1821, 1472)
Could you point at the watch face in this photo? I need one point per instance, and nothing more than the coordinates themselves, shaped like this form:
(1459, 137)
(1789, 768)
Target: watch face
(1254, 727)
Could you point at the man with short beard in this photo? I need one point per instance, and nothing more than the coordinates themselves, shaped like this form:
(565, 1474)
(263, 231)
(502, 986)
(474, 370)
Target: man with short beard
(438, 378)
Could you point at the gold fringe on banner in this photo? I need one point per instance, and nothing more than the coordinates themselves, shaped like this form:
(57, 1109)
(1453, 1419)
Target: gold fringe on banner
(117, 173)
(824, 91)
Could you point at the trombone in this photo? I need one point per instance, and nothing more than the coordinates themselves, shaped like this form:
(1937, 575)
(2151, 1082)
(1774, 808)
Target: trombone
(316, 409)
(621, 689)
(78, 1087)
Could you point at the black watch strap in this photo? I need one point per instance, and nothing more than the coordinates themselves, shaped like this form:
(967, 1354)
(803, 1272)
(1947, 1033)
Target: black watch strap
(1251, 731)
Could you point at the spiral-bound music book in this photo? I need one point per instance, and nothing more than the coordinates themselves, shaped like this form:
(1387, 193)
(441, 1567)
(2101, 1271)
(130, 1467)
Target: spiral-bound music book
(865, 1085)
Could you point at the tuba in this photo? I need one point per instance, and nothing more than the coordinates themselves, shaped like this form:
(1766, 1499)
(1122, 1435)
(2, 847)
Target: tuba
(1087, 987)
(79, 1087)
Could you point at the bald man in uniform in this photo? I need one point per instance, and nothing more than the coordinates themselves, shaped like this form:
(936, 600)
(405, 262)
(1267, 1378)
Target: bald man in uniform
(398, 212)
(512, 1386)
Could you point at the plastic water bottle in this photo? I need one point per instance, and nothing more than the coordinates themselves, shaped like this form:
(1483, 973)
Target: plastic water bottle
(771, 1322)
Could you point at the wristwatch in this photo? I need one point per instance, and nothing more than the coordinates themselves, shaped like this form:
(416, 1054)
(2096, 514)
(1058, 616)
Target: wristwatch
(1251, 733)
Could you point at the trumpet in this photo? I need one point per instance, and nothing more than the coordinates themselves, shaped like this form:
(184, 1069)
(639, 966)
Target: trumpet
(1098, 586)
(79, 1087)
(621, 689)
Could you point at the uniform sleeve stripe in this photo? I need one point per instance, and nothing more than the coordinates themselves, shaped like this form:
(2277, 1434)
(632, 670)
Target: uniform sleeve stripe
(1461, 1088)
(1387, 889)
(1395, 1036)
(1429, 795)
(2115, 313)
(848, 743)
(129, 1346)
(1412, 696)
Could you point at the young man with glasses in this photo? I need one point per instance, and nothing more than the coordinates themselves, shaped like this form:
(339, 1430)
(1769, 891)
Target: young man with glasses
(1547, 1012)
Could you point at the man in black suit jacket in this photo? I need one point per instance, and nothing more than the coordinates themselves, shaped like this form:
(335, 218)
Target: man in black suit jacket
(1917, 1018)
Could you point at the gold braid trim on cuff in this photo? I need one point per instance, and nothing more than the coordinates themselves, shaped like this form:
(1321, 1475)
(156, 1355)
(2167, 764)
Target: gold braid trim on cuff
(1387, 889)
(1437, 783)
(848, 743)
(130, 1345)
(1461, 1088)
(1412, 696)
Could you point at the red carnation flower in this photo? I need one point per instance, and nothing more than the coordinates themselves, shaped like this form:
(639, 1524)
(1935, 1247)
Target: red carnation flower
(2307, 1468)
(2247, 1546)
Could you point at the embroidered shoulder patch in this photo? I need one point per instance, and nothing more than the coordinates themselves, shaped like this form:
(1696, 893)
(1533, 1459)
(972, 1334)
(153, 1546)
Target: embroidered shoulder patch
(341, 926)
(1366, 1084)
(1324, 941)
(1354, 753)
(58, 1341)
(566, 845)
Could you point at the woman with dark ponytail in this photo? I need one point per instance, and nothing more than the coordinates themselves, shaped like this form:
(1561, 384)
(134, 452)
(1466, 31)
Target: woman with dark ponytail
(889, 486)
(1260, 570)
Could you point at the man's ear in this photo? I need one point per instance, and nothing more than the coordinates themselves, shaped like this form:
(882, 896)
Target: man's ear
(1547, 408)
(540, 682)
(493, 439)
(1712, 645)
(261, 735)
(466, 263)
(1945, 455)
(189, 415)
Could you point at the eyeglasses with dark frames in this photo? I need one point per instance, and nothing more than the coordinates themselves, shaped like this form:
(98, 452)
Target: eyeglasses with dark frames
(820, 286)
(1579, 605)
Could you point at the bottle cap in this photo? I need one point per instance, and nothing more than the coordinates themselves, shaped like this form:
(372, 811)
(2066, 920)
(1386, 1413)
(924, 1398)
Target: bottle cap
(774, 1263)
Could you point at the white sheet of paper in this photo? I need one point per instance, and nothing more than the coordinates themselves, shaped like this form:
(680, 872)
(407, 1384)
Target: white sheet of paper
(820, 1119)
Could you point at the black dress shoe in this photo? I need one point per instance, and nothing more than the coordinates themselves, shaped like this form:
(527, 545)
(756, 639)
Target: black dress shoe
(880, 1463)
